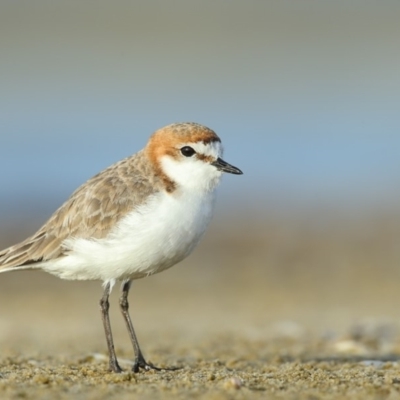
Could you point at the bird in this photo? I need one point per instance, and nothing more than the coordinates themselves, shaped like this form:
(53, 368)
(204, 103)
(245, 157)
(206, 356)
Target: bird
(136, 218)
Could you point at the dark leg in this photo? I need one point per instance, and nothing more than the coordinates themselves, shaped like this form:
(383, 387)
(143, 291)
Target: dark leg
(139, 362)
(104, 306)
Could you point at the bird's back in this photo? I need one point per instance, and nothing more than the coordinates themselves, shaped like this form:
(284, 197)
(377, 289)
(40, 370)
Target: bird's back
(90, 212)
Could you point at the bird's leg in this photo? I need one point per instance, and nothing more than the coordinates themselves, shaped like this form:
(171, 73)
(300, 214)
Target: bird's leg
(104, 306)
(139, 362)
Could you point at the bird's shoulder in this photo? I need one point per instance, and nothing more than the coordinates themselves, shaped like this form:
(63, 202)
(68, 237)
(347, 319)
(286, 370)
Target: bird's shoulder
(95, 207)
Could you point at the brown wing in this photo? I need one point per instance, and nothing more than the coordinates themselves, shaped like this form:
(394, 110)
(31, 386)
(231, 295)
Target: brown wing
(90, 212)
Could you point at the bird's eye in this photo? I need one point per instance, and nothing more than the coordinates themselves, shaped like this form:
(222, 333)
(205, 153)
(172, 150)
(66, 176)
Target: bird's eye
(187, 151)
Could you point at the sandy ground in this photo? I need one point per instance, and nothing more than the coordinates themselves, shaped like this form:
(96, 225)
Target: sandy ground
(290, 310)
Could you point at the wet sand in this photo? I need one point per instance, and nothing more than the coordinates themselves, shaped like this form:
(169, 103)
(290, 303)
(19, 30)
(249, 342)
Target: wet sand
(289, 311)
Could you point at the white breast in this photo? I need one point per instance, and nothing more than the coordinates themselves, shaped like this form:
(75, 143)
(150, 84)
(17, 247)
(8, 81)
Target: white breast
(154, 237)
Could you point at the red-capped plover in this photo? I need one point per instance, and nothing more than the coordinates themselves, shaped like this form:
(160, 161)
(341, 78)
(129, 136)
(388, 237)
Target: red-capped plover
(138, 217)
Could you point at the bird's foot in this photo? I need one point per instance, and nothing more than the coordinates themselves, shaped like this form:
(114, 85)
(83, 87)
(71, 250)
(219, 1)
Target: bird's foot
(141, 363)
(114, 367)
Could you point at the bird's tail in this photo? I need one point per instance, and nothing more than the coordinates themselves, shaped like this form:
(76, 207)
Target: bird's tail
(19, 256)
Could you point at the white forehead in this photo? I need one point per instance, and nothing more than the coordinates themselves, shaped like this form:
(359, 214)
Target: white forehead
(210, 149)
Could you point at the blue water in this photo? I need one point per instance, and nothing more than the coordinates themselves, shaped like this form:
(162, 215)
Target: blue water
(305, 98)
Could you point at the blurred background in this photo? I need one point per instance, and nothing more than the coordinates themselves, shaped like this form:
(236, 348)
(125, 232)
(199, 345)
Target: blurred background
(306, 98)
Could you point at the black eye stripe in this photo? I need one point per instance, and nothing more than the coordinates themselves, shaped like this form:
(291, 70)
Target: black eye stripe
(187, 151)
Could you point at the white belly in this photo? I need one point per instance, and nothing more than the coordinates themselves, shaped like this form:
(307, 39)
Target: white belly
(150, 239)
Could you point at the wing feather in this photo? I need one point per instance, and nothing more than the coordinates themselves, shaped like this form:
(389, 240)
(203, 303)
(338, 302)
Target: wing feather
(91, 212)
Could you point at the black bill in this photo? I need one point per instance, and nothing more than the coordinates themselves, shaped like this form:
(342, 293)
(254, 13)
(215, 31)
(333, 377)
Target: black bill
(224, 166)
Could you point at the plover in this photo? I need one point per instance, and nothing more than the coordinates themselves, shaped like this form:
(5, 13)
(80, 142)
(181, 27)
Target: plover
(138, 217)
